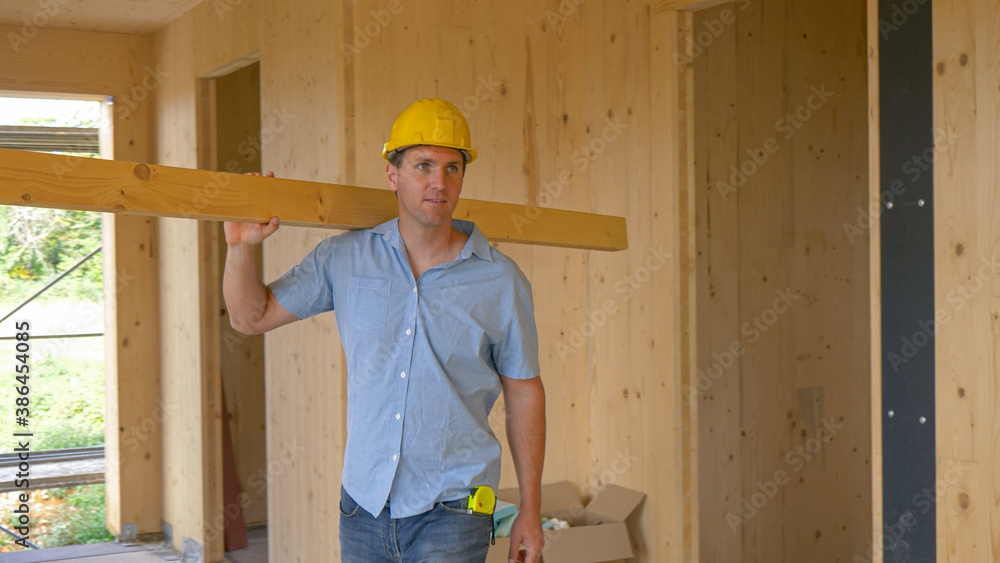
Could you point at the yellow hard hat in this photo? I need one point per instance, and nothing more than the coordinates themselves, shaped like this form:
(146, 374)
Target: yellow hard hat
(430, 121)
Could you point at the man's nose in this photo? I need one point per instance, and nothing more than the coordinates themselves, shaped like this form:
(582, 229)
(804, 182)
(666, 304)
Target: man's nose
(437, 178)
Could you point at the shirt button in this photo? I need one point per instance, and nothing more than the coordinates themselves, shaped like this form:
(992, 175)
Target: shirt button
(402, 374)
(414, 289)
(408, 331)
(397, 416)
(393, 457)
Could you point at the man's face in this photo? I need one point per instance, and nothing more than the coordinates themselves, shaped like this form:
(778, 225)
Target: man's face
(428, 184)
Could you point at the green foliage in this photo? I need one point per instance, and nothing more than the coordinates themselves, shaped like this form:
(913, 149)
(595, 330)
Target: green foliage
(80, 118)
(37, 244)
(82, 521)
(67, 403)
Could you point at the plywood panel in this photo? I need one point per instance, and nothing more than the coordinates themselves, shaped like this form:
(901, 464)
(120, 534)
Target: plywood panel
(182, 373)
(717, 387)
(134, 410)
(967, 298)
(302, 79)
(670, 440)
(192, 466)
(786, 288)
(766, 381)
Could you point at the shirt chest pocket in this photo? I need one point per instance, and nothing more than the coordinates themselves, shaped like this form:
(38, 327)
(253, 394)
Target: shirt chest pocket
(370, 299)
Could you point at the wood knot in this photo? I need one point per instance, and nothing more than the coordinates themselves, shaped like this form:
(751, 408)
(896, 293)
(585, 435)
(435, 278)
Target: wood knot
(963, 59)
(26, 197)
(940, 68)
(141, 171)
(961, 392)
(963, 501)
(959, 249)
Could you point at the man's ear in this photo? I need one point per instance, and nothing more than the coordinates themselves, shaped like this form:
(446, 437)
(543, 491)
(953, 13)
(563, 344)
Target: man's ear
(390, 175)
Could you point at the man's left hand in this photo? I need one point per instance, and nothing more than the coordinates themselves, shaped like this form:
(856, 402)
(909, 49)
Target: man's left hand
(527, 531)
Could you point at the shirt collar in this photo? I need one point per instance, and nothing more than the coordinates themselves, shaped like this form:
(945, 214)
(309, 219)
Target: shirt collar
(477, 243)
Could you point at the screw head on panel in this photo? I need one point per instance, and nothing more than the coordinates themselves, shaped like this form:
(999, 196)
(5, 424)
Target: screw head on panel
(920, 203)
(923, 420)
(888, 205)
(891, 414)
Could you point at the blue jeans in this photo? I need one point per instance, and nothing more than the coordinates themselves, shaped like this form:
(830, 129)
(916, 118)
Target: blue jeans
(445, 534)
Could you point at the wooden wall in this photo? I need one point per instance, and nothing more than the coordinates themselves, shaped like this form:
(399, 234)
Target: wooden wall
(967, 278)
(783, 288)
(54, 61)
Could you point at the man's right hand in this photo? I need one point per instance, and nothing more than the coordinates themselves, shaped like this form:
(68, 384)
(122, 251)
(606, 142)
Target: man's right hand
(250, 233)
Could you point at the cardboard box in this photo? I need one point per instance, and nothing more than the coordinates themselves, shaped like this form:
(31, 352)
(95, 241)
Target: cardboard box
(597, 532)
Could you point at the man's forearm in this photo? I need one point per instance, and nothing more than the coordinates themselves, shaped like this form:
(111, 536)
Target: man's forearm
(245, 294)
(526, 436)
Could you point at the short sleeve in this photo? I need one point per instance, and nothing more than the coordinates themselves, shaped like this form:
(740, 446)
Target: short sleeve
(307, 289)
(516, 354)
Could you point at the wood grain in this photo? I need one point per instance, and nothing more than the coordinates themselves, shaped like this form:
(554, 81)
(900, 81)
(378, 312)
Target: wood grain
(967, 299)
(875, 279)
(43, 180)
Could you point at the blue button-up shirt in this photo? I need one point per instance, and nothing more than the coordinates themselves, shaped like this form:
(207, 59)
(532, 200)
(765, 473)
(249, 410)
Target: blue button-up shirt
(423, 358)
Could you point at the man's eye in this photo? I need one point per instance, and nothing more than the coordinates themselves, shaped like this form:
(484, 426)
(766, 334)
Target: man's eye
(452, 168)
(422, 166)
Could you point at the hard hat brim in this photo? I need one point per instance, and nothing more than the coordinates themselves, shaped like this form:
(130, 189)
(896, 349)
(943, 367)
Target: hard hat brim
(388, 152)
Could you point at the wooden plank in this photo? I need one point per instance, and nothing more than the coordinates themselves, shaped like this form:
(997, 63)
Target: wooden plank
(875, 281)
(687, 286)
(966, 235)
(762, 77)
(135, 410)
(185, 493)
(671, 500)
(717, 392)
(305, 369)
(43, 180)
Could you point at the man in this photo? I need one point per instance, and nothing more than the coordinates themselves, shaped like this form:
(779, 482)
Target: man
(435, 324)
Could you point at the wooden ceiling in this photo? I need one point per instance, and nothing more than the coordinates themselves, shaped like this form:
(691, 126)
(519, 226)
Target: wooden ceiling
(118, 16)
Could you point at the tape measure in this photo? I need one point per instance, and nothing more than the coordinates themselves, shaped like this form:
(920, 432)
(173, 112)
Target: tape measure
(482, 500)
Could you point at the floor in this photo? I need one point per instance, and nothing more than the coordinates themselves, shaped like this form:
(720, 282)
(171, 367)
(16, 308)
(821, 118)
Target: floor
(256, 552)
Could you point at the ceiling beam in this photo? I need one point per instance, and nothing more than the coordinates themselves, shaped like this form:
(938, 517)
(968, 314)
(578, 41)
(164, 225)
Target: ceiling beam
(59, 181)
